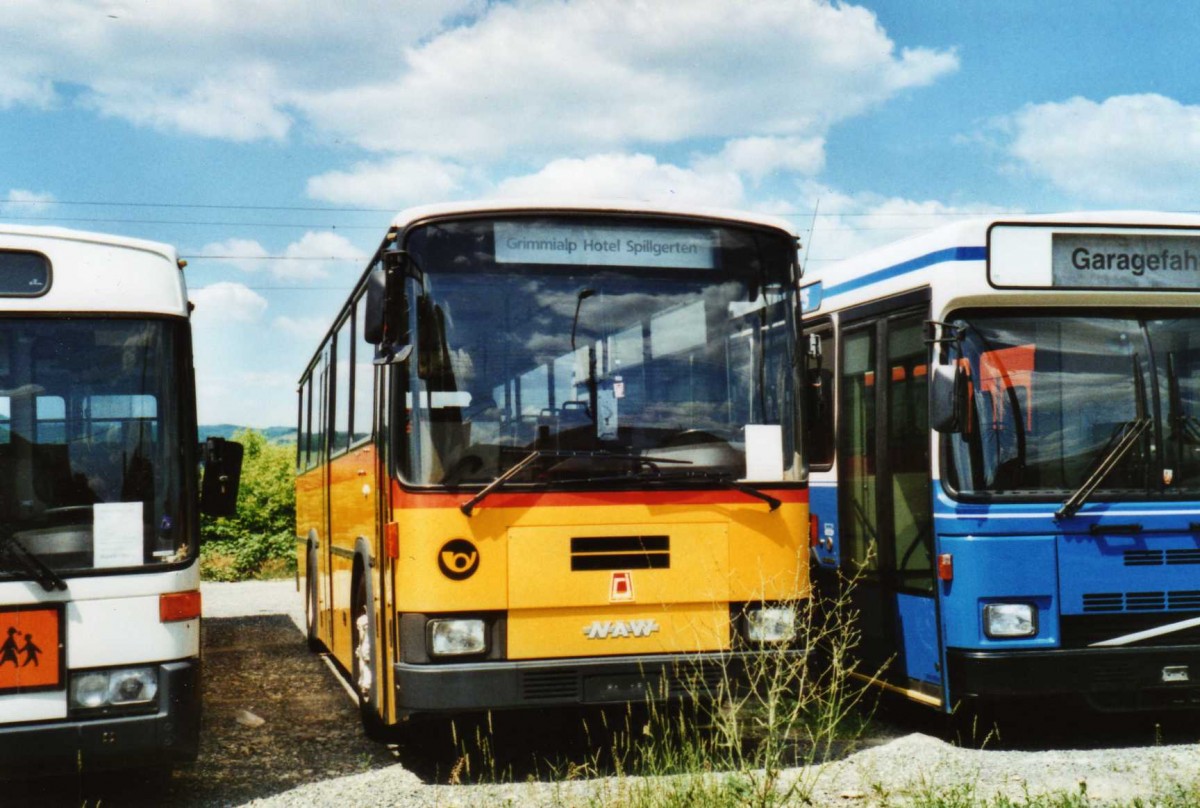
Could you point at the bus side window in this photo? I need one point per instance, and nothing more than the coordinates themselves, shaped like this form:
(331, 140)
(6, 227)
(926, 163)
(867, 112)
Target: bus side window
(364, 378)
(340, 439)
(818, 391)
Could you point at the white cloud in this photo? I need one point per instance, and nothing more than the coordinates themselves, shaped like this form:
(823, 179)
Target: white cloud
(246, 398)
(623, 73)
(316, 255)
(848, 224)
(304, 329)
(25, 202)
(217, 68)
(226, 302)
(245, 254)
(1126, 150)
(236, 107)
(628, 176)
(758, 157)
(399, 181)
(463, 78)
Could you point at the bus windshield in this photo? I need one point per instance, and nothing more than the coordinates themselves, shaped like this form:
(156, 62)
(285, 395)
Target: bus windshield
(91, 451)
(1055, 397)
(663, 351)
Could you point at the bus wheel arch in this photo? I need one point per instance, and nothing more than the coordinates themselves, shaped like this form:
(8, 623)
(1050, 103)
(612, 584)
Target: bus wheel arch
(364, 668)
(311, 610)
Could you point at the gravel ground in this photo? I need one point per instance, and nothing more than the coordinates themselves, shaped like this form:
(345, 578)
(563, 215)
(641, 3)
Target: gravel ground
(281, 730)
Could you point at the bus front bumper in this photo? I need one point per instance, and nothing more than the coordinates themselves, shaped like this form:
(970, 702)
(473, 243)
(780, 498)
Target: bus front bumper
(167, 736)
(464, 687)
(1164, 677)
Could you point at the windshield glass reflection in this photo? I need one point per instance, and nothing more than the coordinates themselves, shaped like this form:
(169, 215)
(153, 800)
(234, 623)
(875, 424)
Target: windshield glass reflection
(1052, 396)
(596, 367)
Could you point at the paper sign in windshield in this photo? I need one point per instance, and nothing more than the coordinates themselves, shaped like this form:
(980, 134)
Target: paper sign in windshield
(31, 653)
(117, 534)
(764, 452)
(580, 245)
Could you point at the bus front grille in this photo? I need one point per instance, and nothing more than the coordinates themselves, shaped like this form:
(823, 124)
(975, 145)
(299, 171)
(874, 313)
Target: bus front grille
(620, 553)
(550, 685)
(1174, 600)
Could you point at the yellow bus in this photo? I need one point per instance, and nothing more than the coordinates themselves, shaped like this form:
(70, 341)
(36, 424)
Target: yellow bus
(549, 455)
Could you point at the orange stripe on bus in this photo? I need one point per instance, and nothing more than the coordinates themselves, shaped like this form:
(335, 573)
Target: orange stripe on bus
(418, 499)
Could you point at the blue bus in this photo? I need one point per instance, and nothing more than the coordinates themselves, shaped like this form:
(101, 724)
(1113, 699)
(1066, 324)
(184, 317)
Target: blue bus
(1004, 434)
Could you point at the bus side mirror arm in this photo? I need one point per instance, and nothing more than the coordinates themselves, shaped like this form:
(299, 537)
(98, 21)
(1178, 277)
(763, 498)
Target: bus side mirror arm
(222, 476)
(949, 399)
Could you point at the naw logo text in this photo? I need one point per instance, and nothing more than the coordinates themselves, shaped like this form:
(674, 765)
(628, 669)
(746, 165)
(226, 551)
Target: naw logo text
(615, 629)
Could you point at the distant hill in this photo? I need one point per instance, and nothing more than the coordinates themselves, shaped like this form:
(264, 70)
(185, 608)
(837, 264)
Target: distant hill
(274, 434)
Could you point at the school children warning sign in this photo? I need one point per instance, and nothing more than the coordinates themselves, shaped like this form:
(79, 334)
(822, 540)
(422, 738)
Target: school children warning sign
(31, 649)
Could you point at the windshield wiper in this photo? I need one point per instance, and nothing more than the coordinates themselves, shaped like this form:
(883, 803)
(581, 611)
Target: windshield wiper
(11, 548)
(516, 469)
(737, 485)
(641, 461)
(1131, 431)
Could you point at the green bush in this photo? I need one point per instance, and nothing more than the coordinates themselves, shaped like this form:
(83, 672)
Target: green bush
(259, 541)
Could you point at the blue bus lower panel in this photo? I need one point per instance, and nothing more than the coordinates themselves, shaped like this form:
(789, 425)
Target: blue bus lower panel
(918, 628)
(1164, 677)
(168, 735)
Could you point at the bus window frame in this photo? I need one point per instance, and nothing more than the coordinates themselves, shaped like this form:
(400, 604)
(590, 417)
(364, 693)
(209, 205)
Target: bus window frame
(944, 441)
(823, 327)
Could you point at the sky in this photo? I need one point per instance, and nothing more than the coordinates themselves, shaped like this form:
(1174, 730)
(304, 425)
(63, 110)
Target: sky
(272, 142)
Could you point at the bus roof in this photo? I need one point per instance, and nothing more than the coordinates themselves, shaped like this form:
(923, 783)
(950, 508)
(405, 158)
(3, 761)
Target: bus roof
(104, 239)
(892, 268)
(500, 206)
(98, 272)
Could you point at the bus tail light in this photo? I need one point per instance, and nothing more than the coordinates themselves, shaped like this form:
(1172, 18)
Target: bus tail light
(945, 567)
(176, 606)
(814, 524)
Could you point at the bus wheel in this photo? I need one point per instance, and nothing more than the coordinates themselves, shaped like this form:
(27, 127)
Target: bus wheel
(363, 659)
(310, 606)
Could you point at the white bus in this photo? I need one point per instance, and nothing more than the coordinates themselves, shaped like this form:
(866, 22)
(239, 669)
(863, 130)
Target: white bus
(99, 502)
(1014, 477)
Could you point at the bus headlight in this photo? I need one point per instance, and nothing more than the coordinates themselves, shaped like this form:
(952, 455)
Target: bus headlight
(1004, 620)
(767, 624)
(456, 637)
(118, 687)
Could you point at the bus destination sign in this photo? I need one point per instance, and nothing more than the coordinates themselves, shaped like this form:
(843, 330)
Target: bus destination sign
(1126, 261)
(541, 243)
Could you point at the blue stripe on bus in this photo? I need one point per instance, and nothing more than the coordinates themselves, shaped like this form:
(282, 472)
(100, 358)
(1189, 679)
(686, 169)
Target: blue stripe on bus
(912, 265)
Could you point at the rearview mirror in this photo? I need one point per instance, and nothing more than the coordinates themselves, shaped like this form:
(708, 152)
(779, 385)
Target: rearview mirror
(376, 311)
(222, 476)
(949, 399)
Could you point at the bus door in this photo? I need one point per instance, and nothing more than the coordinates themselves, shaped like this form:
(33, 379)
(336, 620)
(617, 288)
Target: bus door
(884, 497)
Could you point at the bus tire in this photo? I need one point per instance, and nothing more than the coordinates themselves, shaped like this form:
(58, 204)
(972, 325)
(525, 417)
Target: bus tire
(310, 605)
(364, 652)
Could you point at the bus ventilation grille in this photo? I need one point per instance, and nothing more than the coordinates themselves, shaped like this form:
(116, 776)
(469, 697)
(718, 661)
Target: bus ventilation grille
(550, 685)
(1157, 558)
(620, 553)
(1141, 601)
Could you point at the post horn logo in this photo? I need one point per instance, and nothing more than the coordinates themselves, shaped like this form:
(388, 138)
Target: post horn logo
(458, 559)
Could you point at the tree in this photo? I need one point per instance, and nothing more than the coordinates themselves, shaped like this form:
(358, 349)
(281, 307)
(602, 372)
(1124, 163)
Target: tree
(263, 530)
